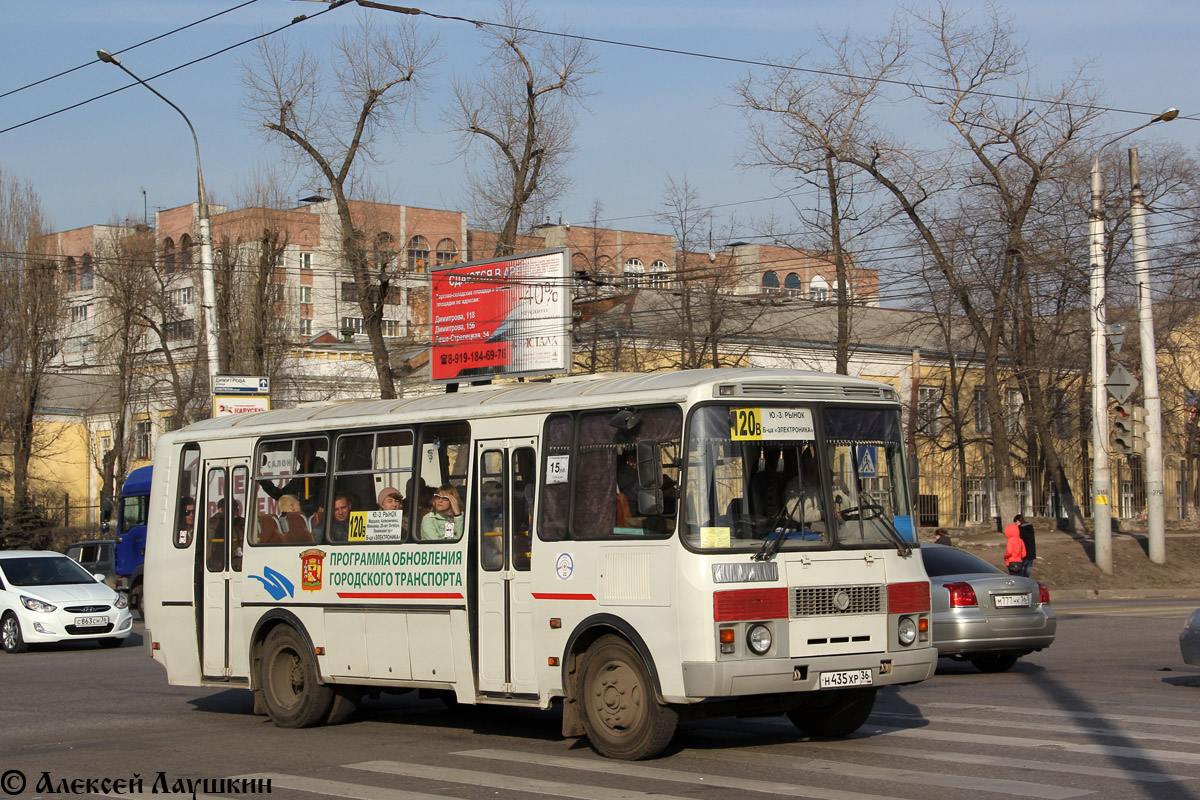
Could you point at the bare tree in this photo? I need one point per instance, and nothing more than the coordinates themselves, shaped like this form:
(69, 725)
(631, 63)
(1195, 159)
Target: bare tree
(1005, 155)
(332, 127)
(518, 119)
(31, 318)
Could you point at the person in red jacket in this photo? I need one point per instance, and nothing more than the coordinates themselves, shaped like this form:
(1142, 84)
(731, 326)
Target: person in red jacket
(1014, 548)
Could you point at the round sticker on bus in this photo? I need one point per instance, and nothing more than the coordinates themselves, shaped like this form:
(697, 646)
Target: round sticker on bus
(564, 566)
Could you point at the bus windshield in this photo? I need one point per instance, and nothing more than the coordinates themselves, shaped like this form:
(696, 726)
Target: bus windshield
(792, 478)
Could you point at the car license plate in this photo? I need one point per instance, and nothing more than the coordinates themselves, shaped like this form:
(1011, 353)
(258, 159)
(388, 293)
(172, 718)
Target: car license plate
(1012, 601)
(90, 622)
(847, 677)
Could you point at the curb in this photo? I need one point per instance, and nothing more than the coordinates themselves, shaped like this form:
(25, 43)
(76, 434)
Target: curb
(1119, 594)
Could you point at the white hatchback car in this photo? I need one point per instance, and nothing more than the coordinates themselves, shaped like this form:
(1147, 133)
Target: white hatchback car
(47, 597)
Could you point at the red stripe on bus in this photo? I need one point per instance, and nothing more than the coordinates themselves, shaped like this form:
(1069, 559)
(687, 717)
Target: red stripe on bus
(400, 595)
(542, 596)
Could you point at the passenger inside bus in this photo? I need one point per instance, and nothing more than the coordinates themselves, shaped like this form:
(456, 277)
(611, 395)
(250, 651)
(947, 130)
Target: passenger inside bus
(293, 525)
(802, 495)
(187, 519)
(445, 520)
(339, 526)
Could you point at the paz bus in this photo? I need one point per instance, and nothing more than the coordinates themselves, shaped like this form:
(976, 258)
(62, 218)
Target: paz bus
(638, 548)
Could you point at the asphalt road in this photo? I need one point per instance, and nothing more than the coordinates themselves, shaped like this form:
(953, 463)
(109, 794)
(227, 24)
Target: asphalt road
(1109, 711)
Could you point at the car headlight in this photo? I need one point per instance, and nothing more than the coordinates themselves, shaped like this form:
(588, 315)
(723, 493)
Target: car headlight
(906, 631)
(758, 639)
(122, 601)
(33, 604)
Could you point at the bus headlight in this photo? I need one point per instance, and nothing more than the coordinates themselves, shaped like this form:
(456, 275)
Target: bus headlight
(758, 639)
(906, 631)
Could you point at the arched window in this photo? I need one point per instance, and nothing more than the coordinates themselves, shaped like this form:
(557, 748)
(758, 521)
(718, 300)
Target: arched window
(792, 284)
(70, 275)
(818, 290)
(384, 251)
(659, 275)
(635, 272)
(168, 255)
(770, 281)
(185, 252)
(418, 254)
(85, 271)
(447, 252)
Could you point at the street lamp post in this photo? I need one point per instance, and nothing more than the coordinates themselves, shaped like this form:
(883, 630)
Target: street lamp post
(207, 283)
(1101, 478)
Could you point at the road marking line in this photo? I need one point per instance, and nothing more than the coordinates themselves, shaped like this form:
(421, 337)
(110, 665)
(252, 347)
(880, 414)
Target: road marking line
(911, 776)
(1044, 727)
(659, 774)
(864, 746)
(516, 783)
(352, 791)
(1053, 712)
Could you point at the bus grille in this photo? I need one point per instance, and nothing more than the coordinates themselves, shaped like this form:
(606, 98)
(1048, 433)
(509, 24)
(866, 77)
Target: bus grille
(817, 601)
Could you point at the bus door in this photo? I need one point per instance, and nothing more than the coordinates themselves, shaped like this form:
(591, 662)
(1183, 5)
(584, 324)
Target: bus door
(503, 515)
(222, 521)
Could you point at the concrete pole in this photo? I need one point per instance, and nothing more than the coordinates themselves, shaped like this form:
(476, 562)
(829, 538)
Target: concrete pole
(1101, 481)
(1151, 400)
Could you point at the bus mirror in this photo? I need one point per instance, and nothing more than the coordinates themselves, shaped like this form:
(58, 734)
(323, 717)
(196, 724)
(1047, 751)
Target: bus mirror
(650, 502)
(649, 464)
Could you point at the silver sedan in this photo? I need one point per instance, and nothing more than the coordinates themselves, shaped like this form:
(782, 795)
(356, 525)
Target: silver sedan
(983, 615)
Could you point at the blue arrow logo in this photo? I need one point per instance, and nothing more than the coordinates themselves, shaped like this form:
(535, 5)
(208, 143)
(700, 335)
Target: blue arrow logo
(276, 585)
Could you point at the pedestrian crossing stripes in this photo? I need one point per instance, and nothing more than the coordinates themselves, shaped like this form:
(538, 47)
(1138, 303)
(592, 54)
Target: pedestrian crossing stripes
(946, 750)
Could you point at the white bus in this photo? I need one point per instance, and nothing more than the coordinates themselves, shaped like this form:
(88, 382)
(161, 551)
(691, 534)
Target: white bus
(638, 548)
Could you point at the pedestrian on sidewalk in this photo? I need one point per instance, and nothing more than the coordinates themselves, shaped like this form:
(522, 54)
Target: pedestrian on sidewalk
(1014, 548)
(1027, 539)
(942, 536)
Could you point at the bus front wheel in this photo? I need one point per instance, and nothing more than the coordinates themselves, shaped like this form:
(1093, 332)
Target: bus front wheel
(834, 714)
(621, 713)
(293, 695)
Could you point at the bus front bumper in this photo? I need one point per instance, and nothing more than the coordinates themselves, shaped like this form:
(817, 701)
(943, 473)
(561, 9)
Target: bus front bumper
(742, 677)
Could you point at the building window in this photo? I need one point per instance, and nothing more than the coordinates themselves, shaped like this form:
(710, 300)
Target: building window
(1014, 412)
(352, 324)
(306, 327)
(793, 285)
(349, 292)
(979, 507)
(660, 275)
(181, 297)
(929, 410)
(81, 313)
(70, 275)
(447, 252)
(384, 254)
(635, 271)
(1059, 402)
(182, 329)
(770, 281)
(983, 422)
(418, 254)
(818, 290)
(393, 328)
(306, 294)
(85, 272)
(306, 262)
(275, 292)
(168, 255)
(141, 438)
(185, 252)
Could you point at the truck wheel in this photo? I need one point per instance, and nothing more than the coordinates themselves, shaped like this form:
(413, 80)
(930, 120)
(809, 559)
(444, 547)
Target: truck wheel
(294, 697)
(135, 603)
(621, 714)
(10, 634)
(835, 714)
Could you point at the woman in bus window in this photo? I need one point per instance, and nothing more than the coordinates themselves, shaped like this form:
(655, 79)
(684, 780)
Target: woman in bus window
(445, 521)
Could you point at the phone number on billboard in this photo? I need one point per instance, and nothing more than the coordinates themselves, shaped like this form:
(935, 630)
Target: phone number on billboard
(492, 355)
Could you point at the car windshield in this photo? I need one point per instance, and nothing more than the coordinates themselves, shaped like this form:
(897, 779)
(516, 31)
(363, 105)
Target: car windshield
(941, 561)
(791, 477)
(42, 571)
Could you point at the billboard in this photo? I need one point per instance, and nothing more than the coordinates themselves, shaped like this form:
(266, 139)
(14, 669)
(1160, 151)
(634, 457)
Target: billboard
(502, 317)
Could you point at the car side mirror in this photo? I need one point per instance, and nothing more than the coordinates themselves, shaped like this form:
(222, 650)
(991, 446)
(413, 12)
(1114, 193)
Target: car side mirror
(99, 576)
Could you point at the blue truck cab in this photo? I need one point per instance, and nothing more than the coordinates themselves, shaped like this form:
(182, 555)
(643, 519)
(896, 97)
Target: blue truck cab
(133, 508)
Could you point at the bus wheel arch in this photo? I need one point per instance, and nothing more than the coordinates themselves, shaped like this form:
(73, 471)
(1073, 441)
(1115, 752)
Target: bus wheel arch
(613, 694)
(285, 676)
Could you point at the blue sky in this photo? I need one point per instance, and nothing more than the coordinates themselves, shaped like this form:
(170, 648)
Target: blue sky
(653, 114)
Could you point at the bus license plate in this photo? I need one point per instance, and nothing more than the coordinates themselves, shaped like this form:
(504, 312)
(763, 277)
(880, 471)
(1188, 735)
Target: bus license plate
(1012, 601)
(90, 622)
(847, 677)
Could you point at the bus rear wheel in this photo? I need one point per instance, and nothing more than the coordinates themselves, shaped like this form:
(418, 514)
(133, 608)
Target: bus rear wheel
(835, 714)
(291, 691)
(621, 713)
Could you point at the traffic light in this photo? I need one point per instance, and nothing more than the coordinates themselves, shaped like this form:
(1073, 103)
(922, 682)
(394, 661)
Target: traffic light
(1122, 430)
(1139, 429)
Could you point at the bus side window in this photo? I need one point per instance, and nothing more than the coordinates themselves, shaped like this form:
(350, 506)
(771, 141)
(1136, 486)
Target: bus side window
(185, 495)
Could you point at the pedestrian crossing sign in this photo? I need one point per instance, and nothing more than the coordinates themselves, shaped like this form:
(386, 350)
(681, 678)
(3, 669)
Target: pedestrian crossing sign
(866, 461)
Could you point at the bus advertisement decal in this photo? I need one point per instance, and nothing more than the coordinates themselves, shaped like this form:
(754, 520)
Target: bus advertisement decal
(311, 564)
